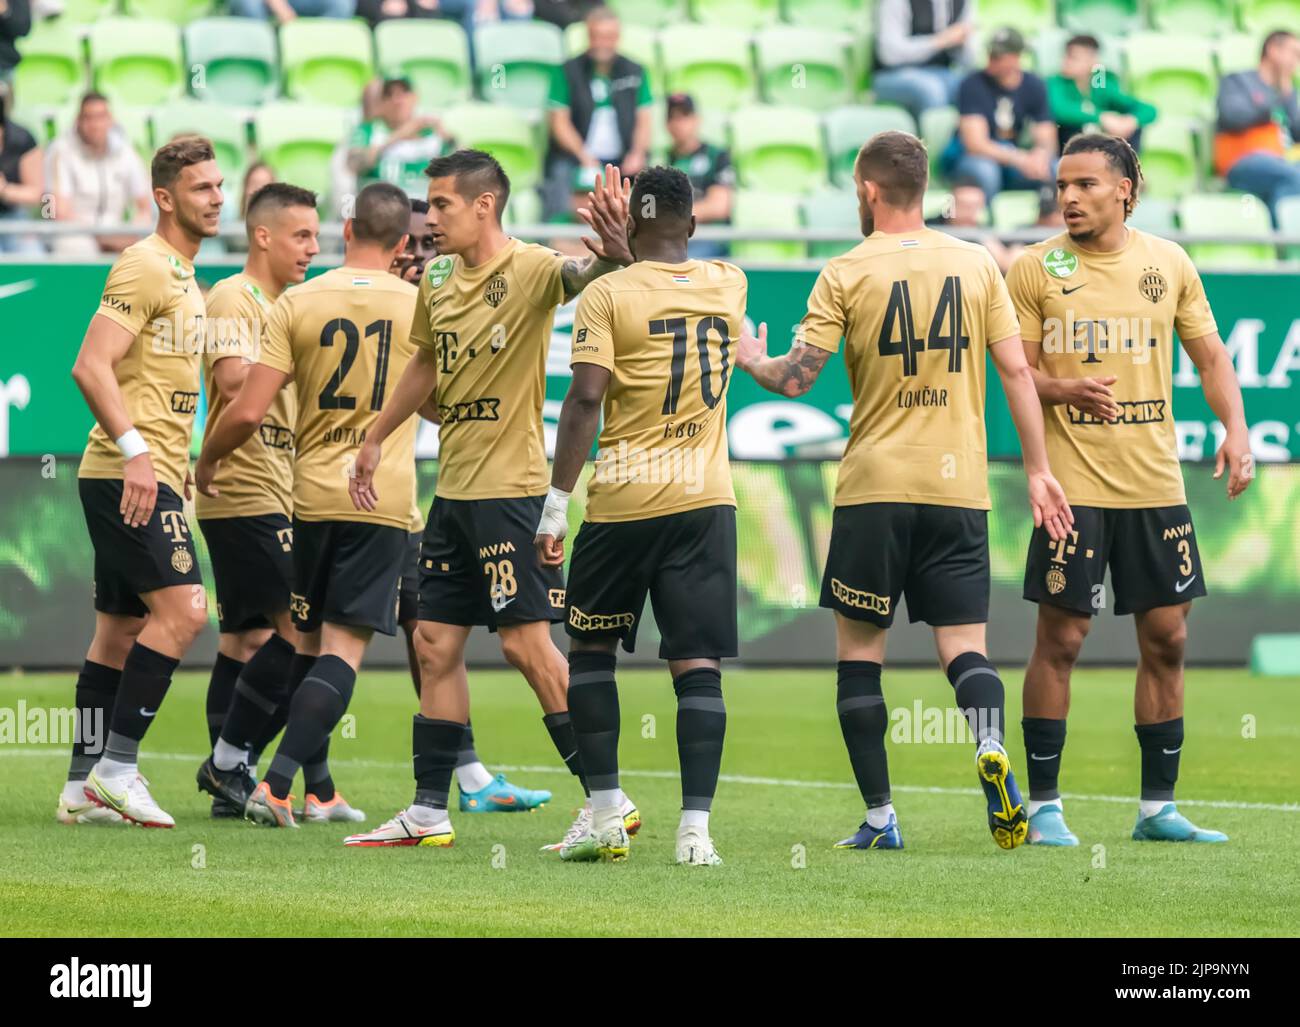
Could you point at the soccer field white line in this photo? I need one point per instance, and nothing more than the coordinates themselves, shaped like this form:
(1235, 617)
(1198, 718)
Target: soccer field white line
(739, 779)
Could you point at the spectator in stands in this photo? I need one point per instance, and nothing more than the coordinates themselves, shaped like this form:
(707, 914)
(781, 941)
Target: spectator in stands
(22, 180)
(599, 113)
(1086, 97)
(998, 107)
(15, 22)
(97, 178)
(713, 179)
(259, 173)
(922, 47)
(397, 144)
(1259, 122)
(286, 10)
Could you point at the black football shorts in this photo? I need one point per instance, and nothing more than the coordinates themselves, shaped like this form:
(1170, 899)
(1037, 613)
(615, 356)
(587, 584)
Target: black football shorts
(346, 572)
(252, 568)
(408, 593)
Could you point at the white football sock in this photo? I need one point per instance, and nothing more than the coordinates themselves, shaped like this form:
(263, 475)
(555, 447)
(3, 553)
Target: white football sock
(114, 770)
(606, 808)
(1150, 807)
(695, 818)
(878, 816)
(473, 777)
(226, 756)
(426, 816)
(1032, 806)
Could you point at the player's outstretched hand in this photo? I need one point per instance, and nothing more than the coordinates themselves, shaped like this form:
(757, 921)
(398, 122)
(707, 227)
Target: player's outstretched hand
(1235, 455)
(361, 486)
(139, 491)
(751, 348)
(1094, 396)
(606, 213)
(550, 550)
(1051, 510)
(204, 474)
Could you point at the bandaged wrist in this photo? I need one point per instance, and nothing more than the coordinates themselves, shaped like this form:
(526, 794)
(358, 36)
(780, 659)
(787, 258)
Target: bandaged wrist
(132, 444)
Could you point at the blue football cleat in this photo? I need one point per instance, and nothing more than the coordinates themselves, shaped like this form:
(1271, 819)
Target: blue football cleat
(502, 797)
(1171, 826)
(1007, 820)
(869, 837)
(1047, 827)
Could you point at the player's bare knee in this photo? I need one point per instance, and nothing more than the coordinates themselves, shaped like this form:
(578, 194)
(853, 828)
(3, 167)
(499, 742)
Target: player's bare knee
(436, 655)
(1164, 648)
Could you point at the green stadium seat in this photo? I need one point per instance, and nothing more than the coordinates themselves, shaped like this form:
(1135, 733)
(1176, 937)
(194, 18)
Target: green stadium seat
(653, 13)
(503, 132)
(847, 15)
(1014, 208)
(804, 67)
(935, 204)
(86, 12)
(517, 62)
(1174, 73)
(1288, 223)
(847, 128)
(524, 207)
(1154, 214)
(1169, 166)
(298, 140)
(1228, 214)
(238, 57)
(221, 124)
(1028, 16)
(1237, 51)
(639, 43)
(182, 12)
(938, 124)
(326, 60)
(1192, 17)
(433, 54)
(744, 14)
(52, 69)
(1100, 18)
(760, 210)
(778, 149)
(829, 209)
(137, 60)
(715, 67)
(1263, 16)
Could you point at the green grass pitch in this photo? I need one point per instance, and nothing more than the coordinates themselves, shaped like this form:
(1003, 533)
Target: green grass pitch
(786, 795)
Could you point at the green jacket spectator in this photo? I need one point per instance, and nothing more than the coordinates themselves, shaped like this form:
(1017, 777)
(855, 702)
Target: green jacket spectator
(1086, 96)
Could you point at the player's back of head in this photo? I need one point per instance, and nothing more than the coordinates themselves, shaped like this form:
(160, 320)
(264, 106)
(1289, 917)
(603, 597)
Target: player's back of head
(898, 165)
(381, 216)
(661, 203)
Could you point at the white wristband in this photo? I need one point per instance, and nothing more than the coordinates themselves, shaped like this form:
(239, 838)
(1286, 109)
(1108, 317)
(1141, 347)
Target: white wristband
(132, 444)
(555, 514)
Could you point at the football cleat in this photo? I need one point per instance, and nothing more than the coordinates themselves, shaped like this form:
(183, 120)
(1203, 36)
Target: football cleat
(403, 831)
(232, 786)
(222, 810)
(500, 796)
(337, 810)
(580, 827)
(606, 845)
(631, 816)
(264, 808)
(1047, 827)
(1007, 820)
(695, 849)
(868, 837)
(129, 797)
(1171, 826)
(85, 812)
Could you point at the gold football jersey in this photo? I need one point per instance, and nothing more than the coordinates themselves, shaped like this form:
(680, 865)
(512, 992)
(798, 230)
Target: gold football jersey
(257, 478)
(1102, 314)
(918, 311)
(490, 327)
(344, 337)
(151, 293)
(666, 333)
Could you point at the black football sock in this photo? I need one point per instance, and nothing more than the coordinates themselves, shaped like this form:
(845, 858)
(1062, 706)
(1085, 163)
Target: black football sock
(96, 688)
(560, 727)
(1161, 746)
(316, 708)
(860, 704)
(466, 755)
(594, 713)
(221, 690)
(980, 695)
(701, 727)
(434, 744)
(316, 774)
(146, 676)
(1044, 743)
(299, 665)
(262, 687)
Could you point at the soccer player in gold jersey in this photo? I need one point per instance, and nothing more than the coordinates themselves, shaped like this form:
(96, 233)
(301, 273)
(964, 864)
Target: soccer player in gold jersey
(652, 347)
(918, 310)
(342, 338)
(482, 328)
(1099, 305)
(138, 369)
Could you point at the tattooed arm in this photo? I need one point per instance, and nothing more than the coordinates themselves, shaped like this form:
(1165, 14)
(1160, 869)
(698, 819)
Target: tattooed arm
(606, 212)
(791, 375)
(579, 272)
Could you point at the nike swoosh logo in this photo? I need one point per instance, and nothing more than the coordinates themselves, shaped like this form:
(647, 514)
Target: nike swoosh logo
(498, 607)
(1066, 292)
(147, 713)
(1035, 756)
(504, 800)
(1172, 752)
(1182, 585)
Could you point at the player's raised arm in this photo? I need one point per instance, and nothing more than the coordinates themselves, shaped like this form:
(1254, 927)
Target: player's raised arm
(1223, 393)
(606, 212)
(816, 338)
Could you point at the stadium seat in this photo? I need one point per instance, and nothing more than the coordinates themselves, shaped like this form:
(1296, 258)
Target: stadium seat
(1100, 18)
(517, 61)
(503, 132)
(1168, 160)
(298, 140)
(847, 128)
(1261, 16)
(804, 67)
(433, 54)
(326, 60)
(1014, 208)
(182, 12)
(1288, 223)
(1193, 17)
(220, 124)
(1028, 16)
(846, 15)
(778, 149)
(1228, 214)
(524, 207)
(52, 70)
(137, 60)
(835, 209)
(238, 58)
(938, 124)
(1237, 51)
(753, 209)
(1174, 73)
(653, 13)
(936, 203)
(715, 67)
(743, 14)
(86, 12)
(635, 42)
(1154, 214)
